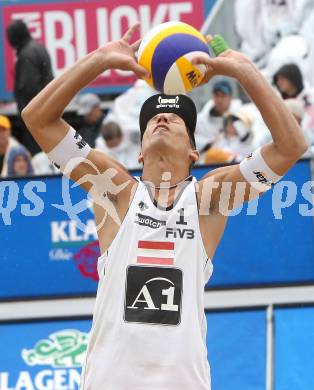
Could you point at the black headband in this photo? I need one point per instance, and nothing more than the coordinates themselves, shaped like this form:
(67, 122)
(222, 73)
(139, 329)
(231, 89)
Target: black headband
(180, 105)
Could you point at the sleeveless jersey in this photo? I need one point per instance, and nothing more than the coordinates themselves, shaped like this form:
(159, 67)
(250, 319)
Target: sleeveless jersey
(149, 325)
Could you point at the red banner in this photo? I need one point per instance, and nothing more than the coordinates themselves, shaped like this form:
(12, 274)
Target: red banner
(70, 30)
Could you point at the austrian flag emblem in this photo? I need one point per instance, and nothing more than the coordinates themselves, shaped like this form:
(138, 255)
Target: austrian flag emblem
(155, 252)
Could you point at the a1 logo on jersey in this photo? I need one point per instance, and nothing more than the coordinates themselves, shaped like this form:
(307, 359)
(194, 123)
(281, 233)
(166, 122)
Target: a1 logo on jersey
(153, 295)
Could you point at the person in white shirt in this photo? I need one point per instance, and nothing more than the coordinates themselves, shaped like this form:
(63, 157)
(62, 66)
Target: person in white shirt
(237, 136)
(290, 84)
(42, 165)
(261, 24)
(149, 325)
(126, 108)
(89, 108)
(116, 145)
(210, 118)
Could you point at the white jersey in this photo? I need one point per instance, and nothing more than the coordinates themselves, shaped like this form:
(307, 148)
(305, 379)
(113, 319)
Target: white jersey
(149, 325)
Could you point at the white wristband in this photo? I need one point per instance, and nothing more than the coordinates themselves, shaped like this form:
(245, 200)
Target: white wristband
(70, 152)
(256, 171)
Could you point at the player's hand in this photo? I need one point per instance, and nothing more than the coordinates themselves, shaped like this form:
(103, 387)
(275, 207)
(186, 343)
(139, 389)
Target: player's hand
(121, 54)
(229, 63)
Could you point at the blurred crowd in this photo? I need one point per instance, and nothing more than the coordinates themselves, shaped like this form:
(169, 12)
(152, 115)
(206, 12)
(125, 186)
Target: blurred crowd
(279, 40)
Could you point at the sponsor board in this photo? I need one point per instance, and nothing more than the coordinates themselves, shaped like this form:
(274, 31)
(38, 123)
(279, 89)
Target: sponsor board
(17, 374)
(44, 252)
(69, 243)
(53, 244)
(43, 356)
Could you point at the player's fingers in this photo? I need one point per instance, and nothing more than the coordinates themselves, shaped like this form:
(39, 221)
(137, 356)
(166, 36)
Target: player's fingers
(129, 34)
(136, 45)
(139, 70)
(208, 75)
(208, 38)
(205, 60)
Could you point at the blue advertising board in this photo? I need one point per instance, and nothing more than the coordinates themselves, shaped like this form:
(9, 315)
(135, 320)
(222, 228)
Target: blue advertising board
(275, 246)
(294, 348)
(43, 355)
(236, 344)
(49, 354)
(43, 250)
(46, 252)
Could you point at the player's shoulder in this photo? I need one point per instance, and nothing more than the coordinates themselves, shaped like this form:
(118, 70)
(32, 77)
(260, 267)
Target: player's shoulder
(217, 174)
(104, 162)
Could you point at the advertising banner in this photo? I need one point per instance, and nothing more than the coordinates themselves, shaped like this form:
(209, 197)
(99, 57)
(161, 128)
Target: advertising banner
(48, 355)
(52, 255)
(294, 347)
(43, 355)
(71, 29)
(49, 243)
(236, 344)
(271, 240)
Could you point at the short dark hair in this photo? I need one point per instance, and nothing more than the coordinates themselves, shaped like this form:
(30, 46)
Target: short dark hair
(111, 130)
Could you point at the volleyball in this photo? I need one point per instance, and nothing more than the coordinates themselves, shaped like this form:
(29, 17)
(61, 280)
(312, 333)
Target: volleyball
(167, 52)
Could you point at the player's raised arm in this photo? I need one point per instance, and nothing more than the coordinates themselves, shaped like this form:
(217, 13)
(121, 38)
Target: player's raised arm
(269, 163)
(43, 115)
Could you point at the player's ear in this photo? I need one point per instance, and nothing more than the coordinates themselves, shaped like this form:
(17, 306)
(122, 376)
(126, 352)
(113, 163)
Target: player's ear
(141, 158)
(194, 155)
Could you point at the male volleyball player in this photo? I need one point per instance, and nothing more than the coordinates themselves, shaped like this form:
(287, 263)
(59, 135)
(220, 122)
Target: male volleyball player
(149, 326)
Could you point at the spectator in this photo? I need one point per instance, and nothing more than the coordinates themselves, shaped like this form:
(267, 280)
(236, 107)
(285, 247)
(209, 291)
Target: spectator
(262, 24)
(289, 82)
(307, 32)
(7, 143)
(296, 108)
(236, 140)
(111, 135)
(19, 162)
(42, 165)
(93, 117)
(32, 72)
(288, 79)
(210, 118)
(114, 144)
(126, 110)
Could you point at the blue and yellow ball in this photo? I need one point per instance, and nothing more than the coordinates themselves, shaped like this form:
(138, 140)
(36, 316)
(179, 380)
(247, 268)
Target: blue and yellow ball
(166, 52)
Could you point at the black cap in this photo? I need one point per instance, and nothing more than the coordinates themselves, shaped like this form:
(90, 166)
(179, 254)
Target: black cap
(181, 105)
(223, 86)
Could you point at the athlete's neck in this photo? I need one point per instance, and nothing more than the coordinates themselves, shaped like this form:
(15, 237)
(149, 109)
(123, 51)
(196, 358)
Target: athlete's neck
(161, 174)
(165, 180)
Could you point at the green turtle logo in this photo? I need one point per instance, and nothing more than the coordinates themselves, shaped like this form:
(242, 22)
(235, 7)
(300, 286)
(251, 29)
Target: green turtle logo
(65, 348)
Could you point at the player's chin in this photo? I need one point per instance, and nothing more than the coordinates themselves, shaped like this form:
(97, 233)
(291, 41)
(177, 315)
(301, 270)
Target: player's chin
(162, 140)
